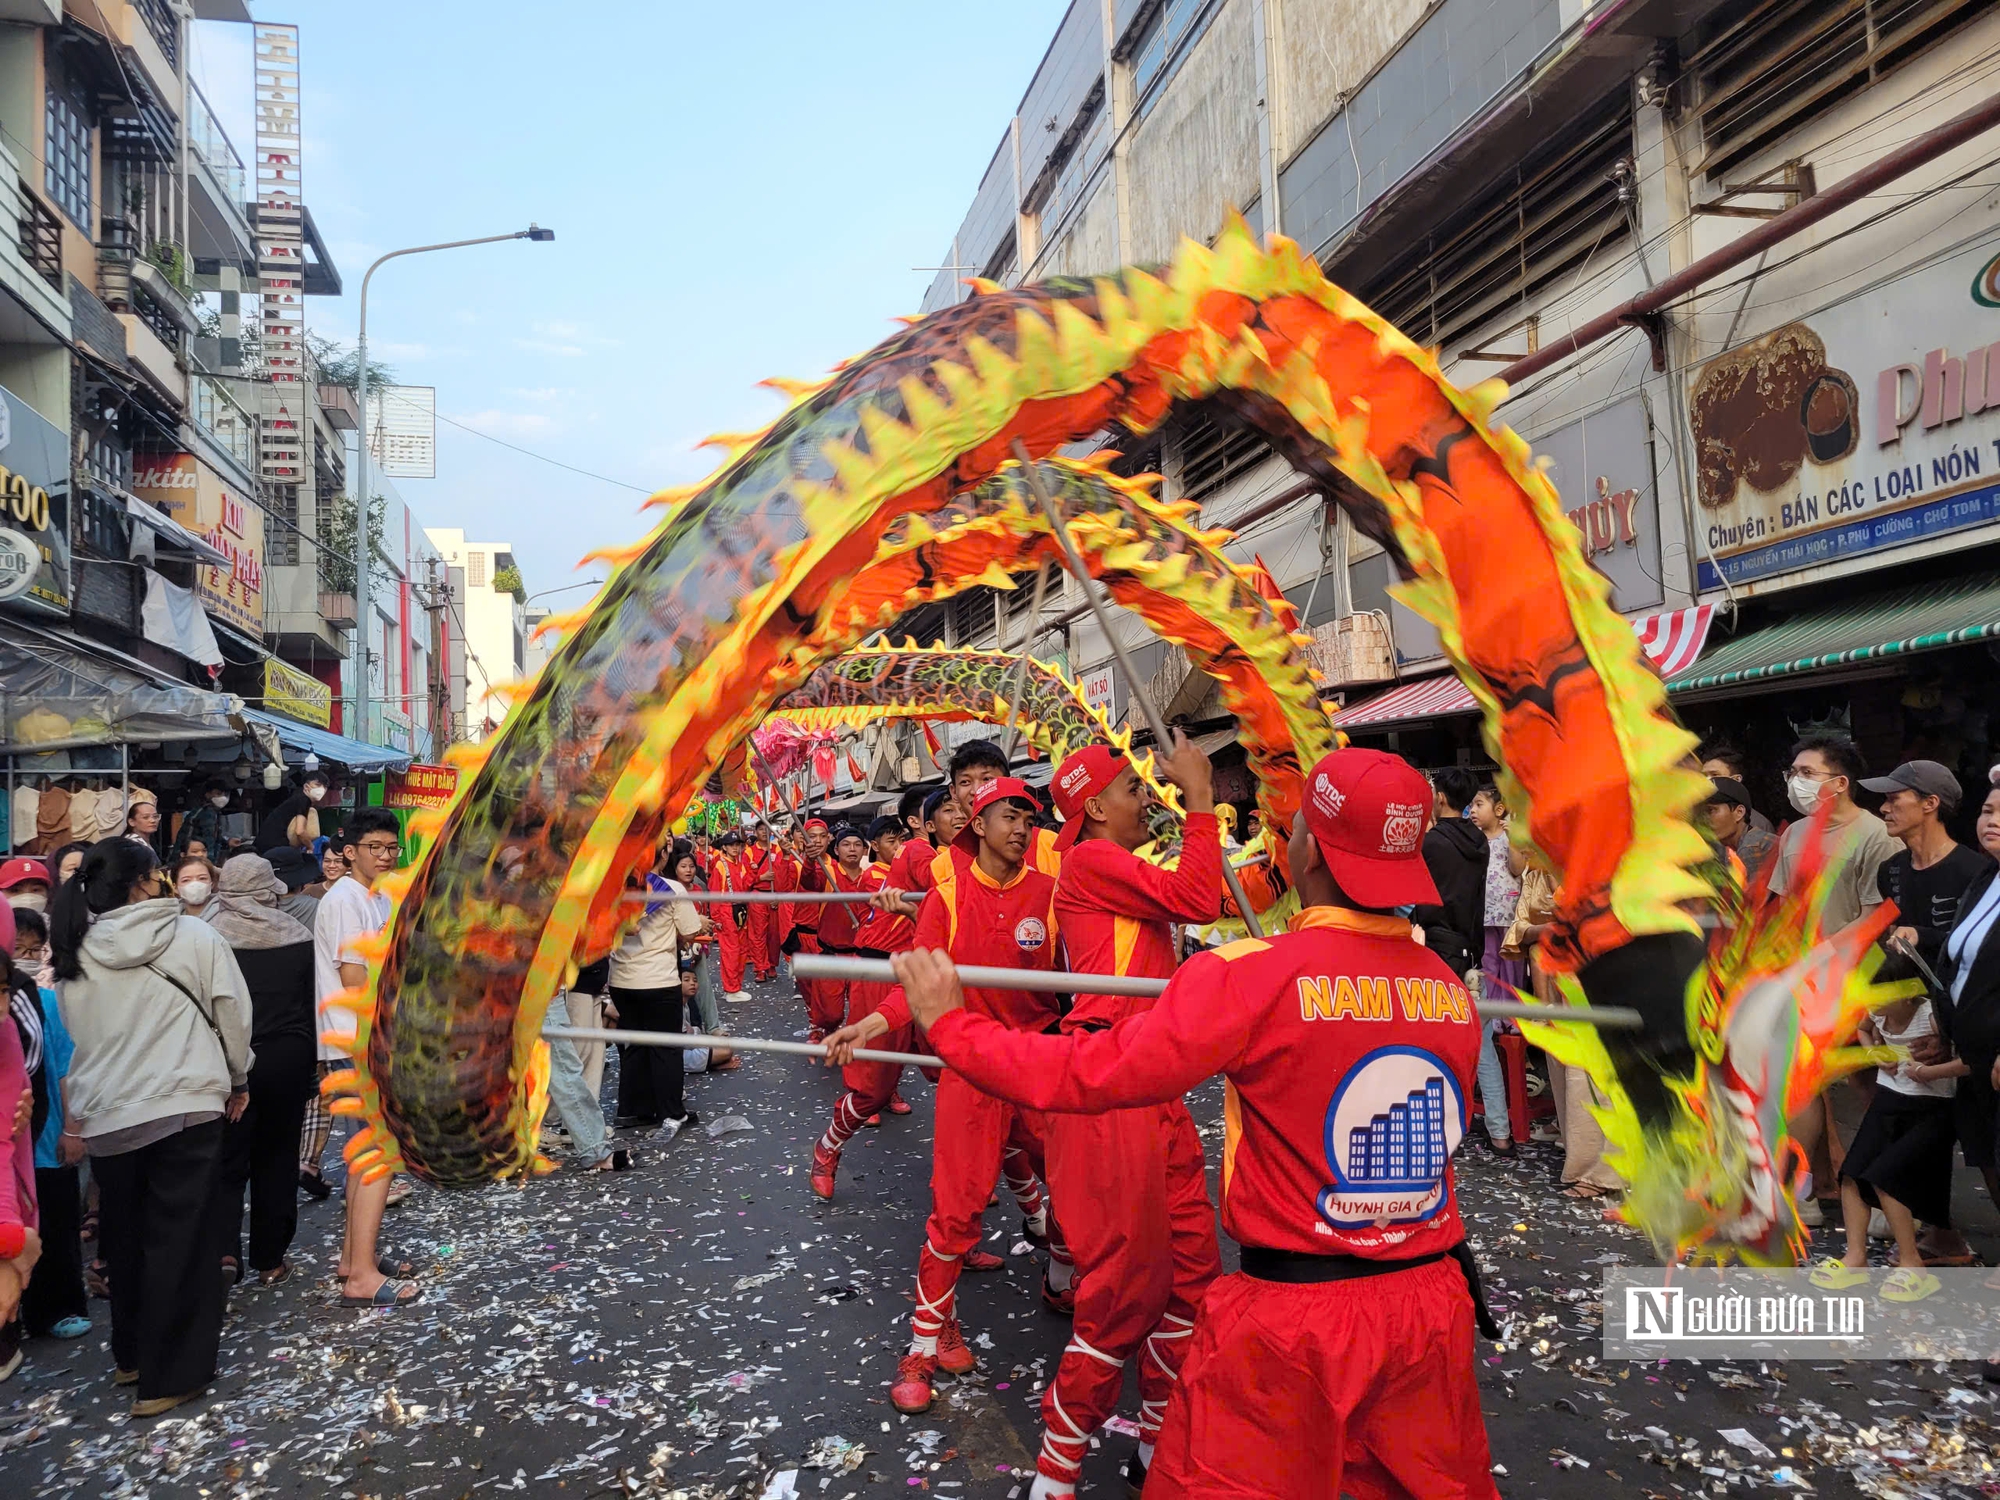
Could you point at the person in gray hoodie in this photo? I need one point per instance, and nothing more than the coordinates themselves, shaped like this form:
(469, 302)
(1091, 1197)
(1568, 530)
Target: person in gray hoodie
(160, 1016)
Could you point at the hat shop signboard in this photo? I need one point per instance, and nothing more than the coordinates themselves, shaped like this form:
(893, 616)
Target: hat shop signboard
(34, 510)
(1869, 426)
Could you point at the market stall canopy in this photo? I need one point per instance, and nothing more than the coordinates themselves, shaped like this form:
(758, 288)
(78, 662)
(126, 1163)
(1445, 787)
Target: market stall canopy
(170, 531)
(59, 692)
(1872, 628)
(327, 745)
(1671, 640)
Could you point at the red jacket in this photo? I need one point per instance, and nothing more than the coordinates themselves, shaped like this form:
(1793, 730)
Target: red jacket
(891, 932)
(1011, 926)
(1349, 1052)
(838, 921)
(1117, 913)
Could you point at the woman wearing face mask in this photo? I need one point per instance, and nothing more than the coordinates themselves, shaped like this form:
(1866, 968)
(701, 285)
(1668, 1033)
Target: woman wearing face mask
(201, 829)
(161, 1021)
(194, 883)
(24, 882)
(294, 822)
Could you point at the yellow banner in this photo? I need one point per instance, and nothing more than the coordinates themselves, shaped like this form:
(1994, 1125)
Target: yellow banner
(290, 692)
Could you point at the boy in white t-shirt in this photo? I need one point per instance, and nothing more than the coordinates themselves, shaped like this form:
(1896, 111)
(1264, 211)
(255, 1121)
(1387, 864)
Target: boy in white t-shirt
(350, 910)
(1900, 1160)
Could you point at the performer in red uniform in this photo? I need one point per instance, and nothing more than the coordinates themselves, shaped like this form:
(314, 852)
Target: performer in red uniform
(974, 764)
(987, 907)
(827, 999)
(732, 921)
(1133, 1182)
(789, 866)
(1340, 1360)
(806, 915)
(760, 871)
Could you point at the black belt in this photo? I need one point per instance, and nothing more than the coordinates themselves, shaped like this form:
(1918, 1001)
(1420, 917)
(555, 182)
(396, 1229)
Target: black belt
(1294, 1268)
(870, 953)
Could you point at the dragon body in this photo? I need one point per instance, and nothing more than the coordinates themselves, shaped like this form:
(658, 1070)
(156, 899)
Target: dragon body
(891, 483)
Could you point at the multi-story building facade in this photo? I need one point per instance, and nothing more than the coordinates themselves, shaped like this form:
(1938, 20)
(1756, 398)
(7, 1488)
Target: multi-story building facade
(1799, 431)
(489, 611)
(183, 519)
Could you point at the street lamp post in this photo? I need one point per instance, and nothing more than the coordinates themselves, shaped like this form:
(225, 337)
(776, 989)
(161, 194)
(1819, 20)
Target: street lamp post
(362, 497)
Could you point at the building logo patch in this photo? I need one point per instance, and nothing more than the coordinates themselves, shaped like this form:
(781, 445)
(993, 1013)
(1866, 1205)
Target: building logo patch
(1390, 1131)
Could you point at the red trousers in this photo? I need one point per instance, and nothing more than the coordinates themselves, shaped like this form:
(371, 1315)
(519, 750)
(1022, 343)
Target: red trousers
(827, 999)
(761, 939)
(1363, 1388)
(1134, 1190)
(969, 1140)
(730, 940)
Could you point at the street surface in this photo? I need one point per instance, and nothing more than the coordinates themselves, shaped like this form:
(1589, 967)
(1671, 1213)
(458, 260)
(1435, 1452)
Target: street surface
(703, 1327)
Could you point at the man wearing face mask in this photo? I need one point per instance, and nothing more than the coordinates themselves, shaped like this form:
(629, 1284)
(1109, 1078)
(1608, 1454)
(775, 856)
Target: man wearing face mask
(1825, 770)
(294, 822)
(203, 825)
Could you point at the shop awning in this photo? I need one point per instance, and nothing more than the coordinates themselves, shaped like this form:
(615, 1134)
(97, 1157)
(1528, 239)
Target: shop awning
(1671, 641)
(170, 531)
(61, 692)
(1874, 627)
(327, 745)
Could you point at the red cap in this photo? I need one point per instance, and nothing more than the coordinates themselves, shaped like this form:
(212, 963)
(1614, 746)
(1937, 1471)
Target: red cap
(1367, 810)
(819, 823)
(999, 789)
(14, 871)
(1079, 778)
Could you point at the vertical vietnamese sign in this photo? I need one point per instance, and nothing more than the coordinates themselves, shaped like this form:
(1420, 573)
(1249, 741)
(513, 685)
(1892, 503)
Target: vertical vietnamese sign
(194, 495)
(281, 252)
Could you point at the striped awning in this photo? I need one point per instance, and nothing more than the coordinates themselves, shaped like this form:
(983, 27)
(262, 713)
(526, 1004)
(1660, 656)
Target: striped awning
(1874, 627)
(1671, 641)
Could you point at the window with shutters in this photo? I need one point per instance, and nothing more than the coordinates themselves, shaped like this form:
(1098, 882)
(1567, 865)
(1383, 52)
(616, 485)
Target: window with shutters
(475, 570)
(1213, 451)
(1762, 70)
(66, 167)
(1555, 210)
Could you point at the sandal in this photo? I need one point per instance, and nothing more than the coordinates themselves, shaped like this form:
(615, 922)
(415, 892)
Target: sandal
(1585, 1190)
(388, 1294)
(97, 1278)
(280, 1272)
(232, 1272)
(387, 1266)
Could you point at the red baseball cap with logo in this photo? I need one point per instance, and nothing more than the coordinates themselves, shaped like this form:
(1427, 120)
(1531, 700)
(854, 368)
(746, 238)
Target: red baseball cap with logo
(999, 789)
(1367, 811)
(21, 869)
(1079, 778)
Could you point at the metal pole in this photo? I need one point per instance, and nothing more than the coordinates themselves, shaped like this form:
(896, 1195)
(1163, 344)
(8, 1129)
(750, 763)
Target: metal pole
(1161, 740)
(361, 549)
(1020, 674)
(1325, 559)
(691, 1039)
(748, 898)
(1059, 982)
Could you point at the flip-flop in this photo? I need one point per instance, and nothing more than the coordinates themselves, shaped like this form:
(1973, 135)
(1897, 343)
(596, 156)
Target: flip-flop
(388, 1294)
(387, 1267)
(280, 1272)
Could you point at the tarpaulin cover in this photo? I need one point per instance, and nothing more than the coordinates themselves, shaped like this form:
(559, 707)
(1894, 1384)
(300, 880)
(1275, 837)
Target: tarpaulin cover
(56, 692)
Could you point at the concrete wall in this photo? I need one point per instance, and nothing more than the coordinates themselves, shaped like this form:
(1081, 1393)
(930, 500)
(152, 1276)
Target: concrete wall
(1194, 155)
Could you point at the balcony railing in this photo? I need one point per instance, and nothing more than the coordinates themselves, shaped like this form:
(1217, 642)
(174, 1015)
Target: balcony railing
(210, 142)
(233, 428)
(160, 21)
(40, 231)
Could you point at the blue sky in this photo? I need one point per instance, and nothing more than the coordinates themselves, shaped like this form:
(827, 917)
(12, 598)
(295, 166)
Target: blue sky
(737, 191)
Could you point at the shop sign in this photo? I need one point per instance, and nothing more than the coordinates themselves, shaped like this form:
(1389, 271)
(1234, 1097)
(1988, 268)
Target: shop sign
(1869, 426)
(290, 692)
(421, 786)
(194, 495)
(1098, 691)
(34, 509)
(1602, 467)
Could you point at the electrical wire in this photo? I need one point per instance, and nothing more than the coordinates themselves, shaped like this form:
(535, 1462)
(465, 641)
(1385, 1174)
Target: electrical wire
(388, 394)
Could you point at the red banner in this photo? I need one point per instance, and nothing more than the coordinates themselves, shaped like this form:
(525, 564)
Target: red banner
(421, 786)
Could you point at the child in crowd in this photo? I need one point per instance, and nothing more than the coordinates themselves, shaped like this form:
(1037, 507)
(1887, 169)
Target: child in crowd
(1900, 1161)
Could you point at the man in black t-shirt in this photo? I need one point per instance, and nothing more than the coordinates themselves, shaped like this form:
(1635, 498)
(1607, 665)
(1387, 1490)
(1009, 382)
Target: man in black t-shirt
(294, 822)
(1932, 872)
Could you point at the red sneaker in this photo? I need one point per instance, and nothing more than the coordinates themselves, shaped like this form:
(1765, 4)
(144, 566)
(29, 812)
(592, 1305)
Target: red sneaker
(912, 1391)
(825, 1164)
(1061, 1303)
(873, 1122)
(953, 1357)
(981, 1260)
(898, 1105)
